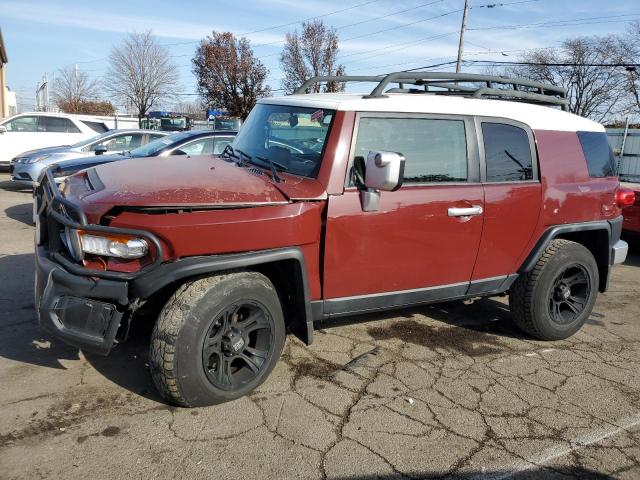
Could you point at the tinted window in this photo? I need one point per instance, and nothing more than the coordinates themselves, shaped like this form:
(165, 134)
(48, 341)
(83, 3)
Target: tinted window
(507, 153)
(598, 154)
(57, 125)
(435, 150)
(96, 126)
(22, 124)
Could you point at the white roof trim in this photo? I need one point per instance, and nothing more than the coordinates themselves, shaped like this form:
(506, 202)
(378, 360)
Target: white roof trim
(536, 116)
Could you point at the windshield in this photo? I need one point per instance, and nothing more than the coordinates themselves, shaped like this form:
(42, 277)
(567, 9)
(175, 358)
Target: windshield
(291, 137)
(152, 149)
(174, 122)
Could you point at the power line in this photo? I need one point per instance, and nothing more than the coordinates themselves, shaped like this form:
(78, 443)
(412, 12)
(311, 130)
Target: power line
(274, 27)
(556, 23)
(342, 27)
(562, 64)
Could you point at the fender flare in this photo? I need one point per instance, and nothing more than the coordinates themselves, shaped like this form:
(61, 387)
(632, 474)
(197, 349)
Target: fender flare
(612, 227)
(145, 285)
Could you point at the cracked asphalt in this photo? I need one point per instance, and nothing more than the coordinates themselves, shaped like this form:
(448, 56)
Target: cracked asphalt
(444, 391)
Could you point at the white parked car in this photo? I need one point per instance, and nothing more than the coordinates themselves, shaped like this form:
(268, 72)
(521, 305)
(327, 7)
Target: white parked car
(27, 131)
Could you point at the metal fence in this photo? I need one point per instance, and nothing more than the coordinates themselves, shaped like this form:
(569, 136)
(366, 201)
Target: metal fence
(626, 147)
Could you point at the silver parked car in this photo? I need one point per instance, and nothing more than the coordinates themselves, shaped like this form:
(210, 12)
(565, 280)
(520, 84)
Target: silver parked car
(27, 167)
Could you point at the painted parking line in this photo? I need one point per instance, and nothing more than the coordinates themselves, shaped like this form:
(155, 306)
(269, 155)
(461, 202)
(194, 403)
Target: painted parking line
(553, 453)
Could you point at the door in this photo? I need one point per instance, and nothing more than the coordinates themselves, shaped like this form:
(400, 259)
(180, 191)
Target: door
(418, 244)
(20, 136)
(57, 131)
(513, 196)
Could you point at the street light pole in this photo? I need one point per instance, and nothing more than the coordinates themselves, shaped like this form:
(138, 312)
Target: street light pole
(462, 29)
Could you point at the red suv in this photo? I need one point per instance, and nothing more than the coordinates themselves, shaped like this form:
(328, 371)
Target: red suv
(445, 187)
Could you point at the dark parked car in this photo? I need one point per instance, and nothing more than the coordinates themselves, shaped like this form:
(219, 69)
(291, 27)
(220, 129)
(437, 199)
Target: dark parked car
(182, 143)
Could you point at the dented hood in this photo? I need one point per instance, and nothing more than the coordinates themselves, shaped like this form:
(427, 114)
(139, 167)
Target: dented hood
(186, 182)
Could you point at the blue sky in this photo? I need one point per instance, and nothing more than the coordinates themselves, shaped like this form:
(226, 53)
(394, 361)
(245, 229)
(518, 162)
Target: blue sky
(44, 36)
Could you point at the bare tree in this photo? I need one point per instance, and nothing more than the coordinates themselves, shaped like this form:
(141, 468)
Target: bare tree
(311, 53)
(579, 65)
(193, 109)
(630, 51)
(72, 88)
(141, 73)
(229, 75)
(88, 107)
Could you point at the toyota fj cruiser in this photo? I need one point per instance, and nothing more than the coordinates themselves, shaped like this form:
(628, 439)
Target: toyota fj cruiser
(444, 186)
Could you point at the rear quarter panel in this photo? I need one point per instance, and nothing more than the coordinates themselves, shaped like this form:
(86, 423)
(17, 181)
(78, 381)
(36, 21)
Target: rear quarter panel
(569, 194)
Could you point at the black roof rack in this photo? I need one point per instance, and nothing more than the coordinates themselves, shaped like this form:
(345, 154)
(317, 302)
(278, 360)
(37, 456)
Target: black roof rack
(458, 84)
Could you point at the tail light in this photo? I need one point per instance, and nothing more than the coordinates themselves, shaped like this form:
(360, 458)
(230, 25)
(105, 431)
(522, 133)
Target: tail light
(625, 197)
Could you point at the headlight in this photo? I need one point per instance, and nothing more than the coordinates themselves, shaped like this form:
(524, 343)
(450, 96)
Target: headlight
(113, 246)
(35, 159)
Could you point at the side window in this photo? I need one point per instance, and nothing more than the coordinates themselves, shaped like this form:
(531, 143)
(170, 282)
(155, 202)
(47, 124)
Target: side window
(435, 149)
(598, 154)
(123, 142)
(507, 153)
(95, 126)
(57, 125)
(150, 137)
(219, 143)
(199, 147)
(22, 124)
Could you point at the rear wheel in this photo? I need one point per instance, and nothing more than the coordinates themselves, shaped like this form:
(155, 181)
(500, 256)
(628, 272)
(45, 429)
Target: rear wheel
(217, 339)
(554, 300)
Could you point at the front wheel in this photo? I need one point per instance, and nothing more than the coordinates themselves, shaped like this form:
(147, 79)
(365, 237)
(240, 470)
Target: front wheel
(554, 300)
(217, 339)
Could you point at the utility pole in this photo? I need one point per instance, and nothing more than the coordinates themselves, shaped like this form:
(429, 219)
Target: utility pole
(463, 27)
(75, 83)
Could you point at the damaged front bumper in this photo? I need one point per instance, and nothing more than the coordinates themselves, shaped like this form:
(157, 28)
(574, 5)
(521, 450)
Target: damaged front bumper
(79, 310)
(81, 306)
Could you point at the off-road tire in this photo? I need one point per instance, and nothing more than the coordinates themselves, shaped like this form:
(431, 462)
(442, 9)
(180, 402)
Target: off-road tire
(177, 340)
(529, 297)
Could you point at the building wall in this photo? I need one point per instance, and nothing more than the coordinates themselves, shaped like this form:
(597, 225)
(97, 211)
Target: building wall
(4, 107)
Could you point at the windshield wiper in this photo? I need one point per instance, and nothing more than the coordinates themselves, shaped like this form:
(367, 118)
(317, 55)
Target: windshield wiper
(228, 152)
(274, 167)
(244, 157)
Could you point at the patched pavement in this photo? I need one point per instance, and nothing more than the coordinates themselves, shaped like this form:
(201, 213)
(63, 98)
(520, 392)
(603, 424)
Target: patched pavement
(450, 390)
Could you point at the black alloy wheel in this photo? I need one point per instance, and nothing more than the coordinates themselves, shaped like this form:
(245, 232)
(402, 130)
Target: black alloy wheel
(569, 294)
(236, 345)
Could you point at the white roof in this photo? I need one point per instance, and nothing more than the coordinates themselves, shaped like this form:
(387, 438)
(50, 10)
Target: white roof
(536, 116)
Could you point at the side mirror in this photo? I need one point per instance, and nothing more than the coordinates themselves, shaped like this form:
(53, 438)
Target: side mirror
(3, 129)
(383, 171)
(100, 149)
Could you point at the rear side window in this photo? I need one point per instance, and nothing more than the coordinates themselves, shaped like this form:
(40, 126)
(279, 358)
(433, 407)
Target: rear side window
(597, 152)
(57, 125)
(95, 126)
(435, 149)
(507, 153)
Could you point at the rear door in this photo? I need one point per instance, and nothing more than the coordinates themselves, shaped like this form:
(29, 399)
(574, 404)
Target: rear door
(417, 246)
(58, 131)
(513, 193)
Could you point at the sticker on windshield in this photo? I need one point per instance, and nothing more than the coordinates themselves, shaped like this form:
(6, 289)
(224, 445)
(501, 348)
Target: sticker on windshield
(317, 116)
